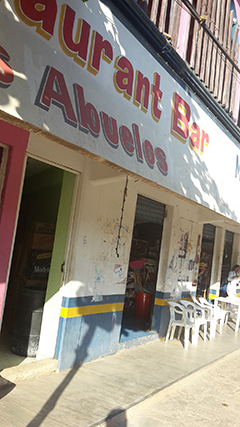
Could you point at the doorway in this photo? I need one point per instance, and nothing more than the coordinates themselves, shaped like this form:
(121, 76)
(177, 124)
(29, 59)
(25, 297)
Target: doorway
(33, 254)
(143, 269)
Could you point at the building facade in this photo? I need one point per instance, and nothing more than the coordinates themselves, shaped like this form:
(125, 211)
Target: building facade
(119, 177)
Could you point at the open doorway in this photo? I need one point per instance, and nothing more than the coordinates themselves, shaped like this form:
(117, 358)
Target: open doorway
(143, 269)
(32, 259)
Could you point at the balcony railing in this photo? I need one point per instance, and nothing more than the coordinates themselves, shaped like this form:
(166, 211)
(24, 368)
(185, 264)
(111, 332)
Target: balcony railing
(205, 34)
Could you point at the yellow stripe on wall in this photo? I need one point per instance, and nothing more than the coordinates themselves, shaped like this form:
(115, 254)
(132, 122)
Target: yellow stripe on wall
(162, 302)
(212, 296)
(90, 309)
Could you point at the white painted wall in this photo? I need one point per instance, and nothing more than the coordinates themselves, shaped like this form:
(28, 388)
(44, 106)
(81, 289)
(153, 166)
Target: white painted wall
(92, 260)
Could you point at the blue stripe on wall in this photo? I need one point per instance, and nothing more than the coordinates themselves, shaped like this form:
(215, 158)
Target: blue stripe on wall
(82, 301)
(88, 337)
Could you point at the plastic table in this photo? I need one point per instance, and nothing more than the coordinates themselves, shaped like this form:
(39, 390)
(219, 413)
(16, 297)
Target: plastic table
(233, 301)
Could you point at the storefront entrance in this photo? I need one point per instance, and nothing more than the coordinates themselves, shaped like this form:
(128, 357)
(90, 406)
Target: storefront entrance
(39, 251)
(143, 269)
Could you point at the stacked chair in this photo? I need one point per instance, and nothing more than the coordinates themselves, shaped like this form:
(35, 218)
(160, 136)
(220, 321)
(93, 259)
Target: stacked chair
(192, 315)
(199, 319)
(218, 314)
(179, 318)
(209, 314)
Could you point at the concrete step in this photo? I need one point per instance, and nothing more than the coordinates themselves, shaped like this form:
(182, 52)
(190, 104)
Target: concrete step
(26, 371)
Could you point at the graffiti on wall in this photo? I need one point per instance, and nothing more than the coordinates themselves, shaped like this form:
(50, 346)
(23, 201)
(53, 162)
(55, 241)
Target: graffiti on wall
(196, 262)
(120, 274)
(183, 244)
(181, 267)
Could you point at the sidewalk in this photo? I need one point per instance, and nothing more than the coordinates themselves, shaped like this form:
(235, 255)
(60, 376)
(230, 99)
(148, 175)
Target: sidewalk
(103, 392)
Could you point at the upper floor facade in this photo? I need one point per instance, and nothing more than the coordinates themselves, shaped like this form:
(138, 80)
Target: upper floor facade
(205, 34)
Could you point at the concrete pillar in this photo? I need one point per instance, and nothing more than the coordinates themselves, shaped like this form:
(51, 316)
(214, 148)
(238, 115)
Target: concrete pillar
(217, 258)
(168, 239)
(236, 250)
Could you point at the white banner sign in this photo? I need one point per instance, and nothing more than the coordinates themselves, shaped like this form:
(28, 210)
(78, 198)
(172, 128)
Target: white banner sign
(74, 70)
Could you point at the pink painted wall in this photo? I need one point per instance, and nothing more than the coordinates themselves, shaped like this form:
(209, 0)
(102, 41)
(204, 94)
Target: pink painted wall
(17, 140)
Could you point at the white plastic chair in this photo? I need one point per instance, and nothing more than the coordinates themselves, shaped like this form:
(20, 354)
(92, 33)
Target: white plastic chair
(209, 315)
(218, 314)
(197, 315)
(179, 317)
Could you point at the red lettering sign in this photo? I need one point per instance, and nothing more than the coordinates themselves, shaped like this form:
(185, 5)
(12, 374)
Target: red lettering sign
(126, 140)
(38, 13)
(99, 49)
(77, 48)
(156, 98)
(123, 78)
(180, 118)
(6, 72)
(141, 91)
(110, 129)
(53, 90)
(88, 116)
